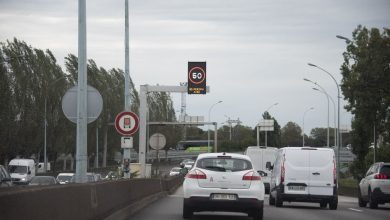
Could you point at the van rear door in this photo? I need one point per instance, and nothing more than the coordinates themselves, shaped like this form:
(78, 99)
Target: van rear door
(296, 167)
(321, 180)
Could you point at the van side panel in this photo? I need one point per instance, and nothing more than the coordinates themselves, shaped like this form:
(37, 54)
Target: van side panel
(321, 172)
(296, 171)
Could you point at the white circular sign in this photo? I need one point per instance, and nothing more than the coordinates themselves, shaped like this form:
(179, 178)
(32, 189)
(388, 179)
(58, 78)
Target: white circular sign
(157, 141)
(94, 104)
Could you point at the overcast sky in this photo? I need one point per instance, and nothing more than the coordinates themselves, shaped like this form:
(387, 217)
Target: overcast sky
(256, 50)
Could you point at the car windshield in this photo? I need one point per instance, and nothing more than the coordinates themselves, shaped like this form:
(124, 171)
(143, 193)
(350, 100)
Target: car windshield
(17, 169)
(386, 170)
(64, 178)
(224, 164)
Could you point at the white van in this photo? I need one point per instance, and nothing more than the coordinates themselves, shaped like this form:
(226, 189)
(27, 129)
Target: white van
(304, 174)
(263, 158)
(21, 170)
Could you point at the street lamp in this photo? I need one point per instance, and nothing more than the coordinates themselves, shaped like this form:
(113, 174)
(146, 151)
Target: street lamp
(344, 38)
(327, 98)
(208, 127)
(334, 112)
(338, 115)
(303, 126)
(258, 136)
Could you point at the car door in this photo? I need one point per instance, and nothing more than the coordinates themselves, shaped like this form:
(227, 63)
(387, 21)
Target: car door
(321, 180)
(296, 165)
(364, 182)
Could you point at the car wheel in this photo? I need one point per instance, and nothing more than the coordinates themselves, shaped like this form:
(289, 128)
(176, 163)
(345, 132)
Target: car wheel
(278, 200)
(372, 201)
(362, 203)
(271, 199)
(187, 211)
(257, 214)
(323, 204)
(333, 203)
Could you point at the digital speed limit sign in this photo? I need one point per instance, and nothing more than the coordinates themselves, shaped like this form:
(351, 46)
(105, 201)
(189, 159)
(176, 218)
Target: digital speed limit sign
(196, 77)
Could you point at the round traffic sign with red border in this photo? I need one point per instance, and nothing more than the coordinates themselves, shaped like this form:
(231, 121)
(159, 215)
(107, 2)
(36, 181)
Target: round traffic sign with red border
(126, 123)
(196, 75)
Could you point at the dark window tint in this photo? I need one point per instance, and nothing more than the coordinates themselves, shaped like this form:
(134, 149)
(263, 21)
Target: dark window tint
(17, 169)
(386, 170)
(224, 164)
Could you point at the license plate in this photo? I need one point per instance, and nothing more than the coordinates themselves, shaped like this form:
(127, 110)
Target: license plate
(223, 197)
(297, 188)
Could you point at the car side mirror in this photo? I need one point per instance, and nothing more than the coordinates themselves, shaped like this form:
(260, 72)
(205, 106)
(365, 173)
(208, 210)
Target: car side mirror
(29, 172)
(268, 165)
(262, 173)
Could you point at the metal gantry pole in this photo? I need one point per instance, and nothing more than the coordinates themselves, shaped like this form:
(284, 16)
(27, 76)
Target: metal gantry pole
(81, 139)
(208, 126)
(44, 144)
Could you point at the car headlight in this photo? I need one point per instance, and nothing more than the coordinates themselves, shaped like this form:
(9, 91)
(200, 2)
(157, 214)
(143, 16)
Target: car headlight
(23, 179)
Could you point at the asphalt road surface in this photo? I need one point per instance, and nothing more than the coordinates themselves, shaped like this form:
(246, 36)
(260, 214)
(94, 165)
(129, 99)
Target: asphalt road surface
(170, 208)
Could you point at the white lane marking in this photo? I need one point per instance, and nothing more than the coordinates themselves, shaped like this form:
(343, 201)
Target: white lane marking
(356, 210)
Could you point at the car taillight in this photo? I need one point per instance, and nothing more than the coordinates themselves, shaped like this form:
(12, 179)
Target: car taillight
(196, 174)
(380, 176)
(282, 171)
(251, 176)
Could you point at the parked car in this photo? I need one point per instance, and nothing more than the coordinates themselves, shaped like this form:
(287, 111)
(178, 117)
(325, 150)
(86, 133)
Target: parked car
(374, 188)
(260, 157)
(175, 171)
(304, 174)
(21, 170)
(64, 178)
(42, 180)
(223, 182)
(5, 177)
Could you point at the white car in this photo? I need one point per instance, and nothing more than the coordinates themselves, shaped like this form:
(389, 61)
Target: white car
(175, 171)
(64, 178)
(304, 174)
(374, 188)
(223, 182)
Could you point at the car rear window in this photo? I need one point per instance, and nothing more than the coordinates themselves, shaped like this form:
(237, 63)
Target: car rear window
(224, 164)
(385, 170)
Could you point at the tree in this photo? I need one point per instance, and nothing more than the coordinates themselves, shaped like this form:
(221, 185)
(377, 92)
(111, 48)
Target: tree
(365, 85)
(291, 134)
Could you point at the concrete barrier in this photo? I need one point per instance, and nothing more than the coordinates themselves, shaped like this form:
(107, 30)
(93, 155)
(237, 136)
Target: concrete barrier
(83, 201)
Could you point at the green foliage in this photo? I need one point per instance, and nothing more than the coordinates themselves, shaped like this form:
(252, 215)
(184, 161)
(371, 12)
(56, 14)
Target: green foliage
(291, 135)
(29, 76)
(365, 85)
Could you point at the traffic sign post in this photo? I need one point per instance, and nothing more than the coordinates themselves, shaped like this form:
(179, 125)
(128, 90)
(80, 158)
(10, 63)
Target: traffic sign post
(196, 77)
(126, 124)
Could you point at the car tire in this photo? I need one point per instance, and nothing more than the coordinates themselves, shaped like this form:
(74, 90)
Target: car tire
(187, 211)
(323, 204)
(333, 203)
(278, 200)
(257, 214)
(373, 203)
(271, 199)
(362, 203)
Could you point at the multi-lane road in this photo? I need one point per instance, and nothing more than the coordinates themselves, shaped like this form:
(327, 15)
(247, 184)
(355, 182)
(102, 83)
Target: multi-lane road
(170, 208)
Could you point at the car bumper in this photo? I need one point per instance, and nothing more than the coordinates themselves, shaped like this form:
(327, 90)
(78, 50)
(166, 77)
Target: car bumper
(379, 196)
(305, 197)
(206, 204)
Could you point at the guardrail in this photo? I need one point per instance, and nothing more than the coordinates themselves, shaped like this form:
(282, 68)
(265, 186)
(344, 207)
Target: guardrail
(100, 200)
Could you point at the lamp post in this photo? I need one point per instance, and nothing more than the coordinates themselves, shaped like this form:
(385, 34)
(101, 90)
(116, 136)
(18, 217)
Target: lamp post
(338, 115)
(303, 126)
(334, 112)
(208, 126)
(327, 98)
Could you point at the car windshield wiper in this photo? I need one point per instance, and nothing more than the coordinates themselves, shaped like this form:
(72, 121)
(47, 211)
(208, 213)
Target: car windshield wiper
(216, 168)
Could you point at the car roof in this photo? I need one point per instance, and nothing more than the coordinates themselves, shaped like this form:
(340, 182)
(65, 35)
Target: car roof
(213, 155)
(65, 174)
(302, 148)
